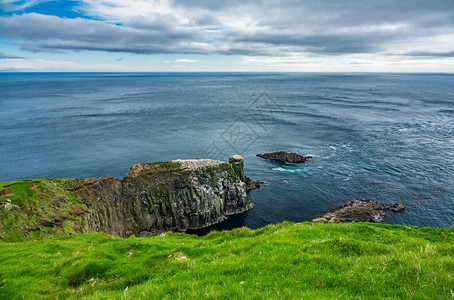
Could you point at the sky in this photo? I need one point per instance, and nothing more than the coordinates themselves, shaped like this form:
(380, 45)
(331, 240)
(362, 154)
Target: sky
(227, 35)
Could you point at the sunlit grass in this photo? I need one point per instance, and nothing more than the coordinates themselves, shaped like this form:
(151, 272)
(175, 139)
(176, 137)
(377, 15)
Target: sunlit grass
(278, 261)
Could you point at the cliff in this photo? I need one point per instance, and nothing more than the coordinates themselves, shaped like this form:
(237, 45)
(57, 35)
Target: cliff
(154, 197)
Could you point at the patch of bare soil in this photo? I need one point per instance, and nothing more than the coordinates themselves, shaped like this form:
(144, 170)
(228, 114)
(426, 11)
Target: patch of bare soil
(6, 193)
(34, 185)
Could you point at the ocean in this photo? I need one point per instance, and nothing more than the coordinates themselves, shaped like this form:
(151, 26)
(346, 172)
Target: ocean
(384, 137)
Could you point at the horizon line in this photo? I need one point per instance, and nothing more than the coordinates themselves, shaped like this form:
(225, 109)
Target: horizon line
(194, 72)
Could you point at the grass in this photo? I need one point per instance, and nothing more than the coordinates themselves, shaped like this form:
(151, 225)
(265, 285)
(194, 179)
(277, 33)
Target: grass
(169, 167)
(45, 210)
(287, 260)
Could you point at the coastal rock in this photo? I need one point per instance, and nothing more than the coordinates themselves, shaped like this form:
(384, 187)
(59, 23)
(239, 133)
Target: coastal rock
(282, 156)
(253, 185)
(165, 196)
(397, 207)
(359, 211)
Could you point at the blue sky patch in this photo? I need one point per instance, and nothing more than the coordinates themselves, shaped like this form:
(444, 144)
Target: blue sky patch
(62, 9)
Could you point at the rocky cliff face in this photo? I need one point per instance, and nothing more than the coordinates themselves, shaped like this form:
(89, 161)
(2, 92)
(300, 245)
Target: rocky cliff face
(156, 197)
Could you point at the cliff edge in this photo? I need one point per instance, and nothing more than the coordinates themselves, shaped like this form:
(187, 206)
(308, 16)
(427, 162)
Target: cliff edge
(174, 195)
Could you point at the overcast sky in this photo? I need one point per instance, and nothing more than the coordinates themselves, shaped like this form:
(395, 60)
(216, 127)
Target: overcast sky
(222, 35)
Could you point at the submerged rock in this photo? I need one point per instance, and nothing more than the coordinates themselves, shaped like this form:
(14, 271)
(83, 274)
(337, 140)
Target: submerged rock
(359, 211)
(174, 195)
(253, 185)
(285, 157)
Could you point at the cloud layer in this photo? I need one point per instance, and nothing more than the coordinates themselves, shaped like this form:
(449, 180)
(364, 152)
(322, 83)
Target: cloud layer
(291, 28)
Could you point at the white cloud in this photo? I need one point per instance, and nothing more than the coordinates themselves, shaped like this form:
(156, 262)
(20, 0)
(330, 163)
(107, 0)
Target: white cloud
(51, 65)
(121, 10)
(186, 61)
(298, 62)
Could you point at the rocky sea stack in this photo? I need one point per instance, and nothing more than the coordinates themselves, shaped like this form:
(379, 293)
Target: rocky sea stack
(359, 211)
(174, 195)
(286, 157)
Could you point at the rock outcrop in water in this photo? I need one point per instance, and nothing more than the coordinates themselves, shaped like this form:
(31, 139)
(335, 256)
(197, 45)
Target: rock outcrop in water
(156, 197)
(282, 156)
(253, 185)
(359, 211)
(237, 162)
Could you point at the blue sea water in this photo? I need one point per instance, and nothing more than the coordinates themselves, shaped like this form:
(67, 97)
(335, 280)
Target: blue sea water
(385, 137)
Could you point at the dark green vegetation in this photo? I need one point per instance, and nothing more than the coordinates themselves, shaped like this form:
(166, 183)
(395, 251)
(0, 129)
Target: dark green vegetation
(278, 261)
(169, 167)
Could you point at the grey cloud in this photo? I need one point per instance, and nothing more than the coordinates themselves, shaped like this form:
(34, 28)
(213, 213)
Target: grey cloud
(213, 5)
(9, 56)
(205, 18)
(36, 32)
(276, 28)
(430, 54)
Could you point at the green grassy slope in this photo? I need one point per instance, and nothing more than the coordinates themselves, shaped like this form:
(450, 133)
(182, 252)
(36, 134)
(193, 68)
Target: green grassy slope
(278, 261)
(46, 208)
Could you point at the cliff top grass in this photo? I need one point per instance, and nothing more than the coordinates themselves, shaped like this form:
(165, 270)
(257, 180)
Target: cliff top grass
(305, 260)
(45, 207)
(154, 167)
(171, 167)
